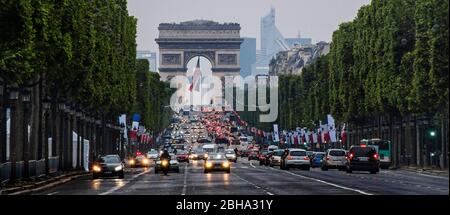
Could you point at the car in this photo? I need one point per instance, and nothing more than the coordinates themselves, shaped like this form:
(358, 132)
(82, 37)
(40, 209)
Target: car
(217, 162)
(108, 165)
(296, 158)
(264, 158)
(174, 165)
(317, 159)
(182, 156)
(253, 155)
(197, 154)
(139, 161)
(152, 154)
(334, 159)
(231, 155)
(362, 158)
(310, 154)
(244, 153)
(275, 159)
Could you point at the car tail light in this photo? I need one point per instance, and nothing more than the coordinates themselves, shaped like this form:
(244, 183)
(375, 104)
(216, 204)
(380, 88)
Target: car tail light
(290, 158)
(351, 155)
(328, 157)
(306, 158)
(375, 156)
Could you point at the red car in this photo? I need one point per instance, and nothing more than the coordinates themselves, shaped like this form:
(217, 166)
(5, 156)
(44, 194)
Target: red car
(183, 156)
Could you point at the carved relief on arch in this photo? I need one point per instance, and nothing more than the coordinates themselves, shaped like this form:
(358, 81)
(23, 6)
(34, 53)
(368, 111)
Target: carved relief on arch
(210, 55)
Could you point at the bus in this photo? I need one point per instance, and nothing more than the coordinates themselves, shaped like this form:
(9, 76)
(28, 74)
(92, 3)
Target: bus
(384, 150)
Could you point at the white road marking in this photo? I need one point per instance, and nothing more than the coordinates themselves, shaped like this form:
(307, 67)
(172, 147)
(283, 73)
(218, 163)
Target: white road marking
(254, 185)
(251, 164)
(53, 193)
(185, 179)
(114, 189)
(325, 182)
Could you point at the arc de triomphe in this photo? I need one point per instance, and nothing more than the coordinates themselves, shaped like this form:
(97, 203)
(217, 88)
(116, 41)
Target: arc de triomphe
(180, 42)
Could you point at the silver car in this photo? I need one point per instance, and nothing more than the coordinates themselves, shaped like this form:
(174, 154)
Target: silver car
(275, 160)
(334, 159)
(296, 158)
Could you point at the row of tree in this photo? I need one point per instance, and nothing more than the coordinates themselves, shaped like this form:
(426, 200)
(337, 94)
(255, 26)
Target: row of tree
(75, 53)
(391, 61)
(152, 97)
(83, 51)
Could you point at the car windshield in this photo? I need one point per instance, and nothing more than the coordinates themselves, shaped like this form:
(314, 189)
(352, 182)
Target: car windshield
(229, 151)
(198, 151)
(337, 153)
(181, 152)
(298, 153)
(110, 159)
(321, 155)
(278, 153)
(153, 152)
(363, 151)
(217, 157)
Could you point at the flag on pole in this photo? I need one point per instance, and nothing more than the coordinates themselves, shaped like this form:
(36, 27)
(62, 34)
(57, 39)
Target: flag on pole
(195, 85)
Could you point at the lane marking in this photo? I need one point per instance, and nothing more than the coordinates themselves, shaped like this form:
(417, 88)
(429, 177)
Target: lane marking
(254, 185)
(251, 164)
(183, 192)
(114, 189)
(53, 193)
(325, 182)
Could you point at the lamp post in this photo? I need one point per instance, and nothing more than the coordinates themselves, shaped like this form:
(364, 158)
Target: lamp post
(26, 144)
(13, 97)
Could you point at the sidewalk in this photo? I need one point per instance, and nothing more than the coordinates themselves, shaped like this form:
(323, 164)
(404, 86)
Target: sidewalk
(426, 170)
(39, 184)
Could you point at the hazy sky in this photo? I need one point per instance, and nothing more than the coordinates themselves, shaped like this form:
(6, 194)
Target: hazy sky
(313, 18)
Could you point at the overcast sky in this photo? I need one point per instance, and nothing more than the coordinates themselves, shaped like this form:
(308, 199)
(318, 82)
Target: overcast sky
(313, 18)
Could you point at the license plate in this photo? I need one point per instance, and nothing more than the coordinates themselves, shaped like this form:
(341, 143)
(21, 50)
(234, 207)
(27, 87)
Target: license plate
(108, 172)
(363, 159)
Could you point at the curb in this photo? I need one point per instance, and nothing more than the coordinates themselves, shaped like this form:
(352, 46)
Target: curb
(42, 185)
(427, 171)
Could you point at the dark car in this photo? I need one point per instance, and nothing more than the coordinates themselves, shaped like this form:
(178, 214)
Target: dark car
(108, 165)
(182, 156)
(317, 159)
(360, 158)
(264, 158)
(139, 161)
(253, 155)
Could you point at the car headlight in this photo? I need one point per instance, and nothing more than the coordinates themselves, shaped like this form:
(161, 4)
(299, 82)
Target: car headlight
(118, 168)
(132, 162)
(164, 163)
(206, 155)
(145, 161)
(96, 168)
(226, 164)
(209, 164)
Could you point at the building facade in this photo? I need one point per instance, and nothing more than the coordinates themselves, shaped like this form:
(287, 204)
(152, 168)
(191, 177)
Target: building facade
(248, 56)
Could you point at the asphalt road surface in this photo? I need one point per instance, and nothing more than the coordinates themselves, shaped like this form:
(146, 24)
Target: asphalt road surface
(248, 178)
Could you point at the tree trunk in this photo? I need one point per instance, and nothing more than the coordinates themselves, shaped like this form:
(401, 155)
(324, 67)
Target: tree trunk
(3, 135)
(35, 123)
(14, 138)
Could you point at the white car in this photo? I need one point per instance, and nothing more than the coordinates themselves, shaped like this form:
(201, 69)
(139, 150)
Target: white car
(152, 154)
(296, 158)
(231, 155)
(275, 160)
(334, 159)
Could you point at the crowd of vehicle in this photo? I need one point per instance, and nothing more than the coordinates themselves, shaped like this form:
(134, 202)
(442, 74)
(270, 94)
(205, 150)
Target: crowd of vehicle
(214, 138)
